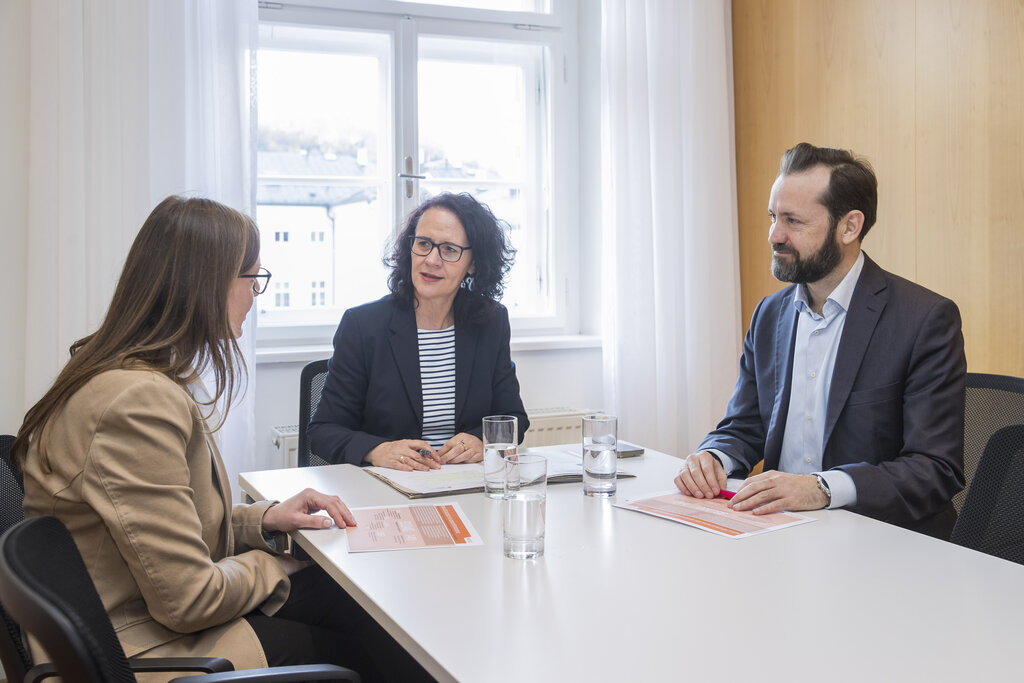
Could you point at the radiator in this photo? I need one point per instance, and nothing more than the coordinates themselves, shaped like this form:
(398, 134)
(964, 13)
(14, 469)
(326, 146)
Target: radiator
(286, 439)
(554, 426)
(547, 426)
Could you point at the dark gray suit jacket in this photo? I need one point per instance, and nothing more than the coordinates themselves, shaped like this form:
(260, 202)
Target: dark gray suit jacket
(895, 414)
(373, 393)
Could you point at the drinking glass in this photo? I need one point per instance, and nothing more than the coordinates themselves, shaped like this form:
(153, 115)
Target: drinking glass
(525, 502)
(599, 457)
(501, 434)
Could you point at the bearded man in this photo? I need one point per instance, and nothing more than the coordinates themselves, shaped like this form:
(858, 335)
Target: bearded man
(851, 383)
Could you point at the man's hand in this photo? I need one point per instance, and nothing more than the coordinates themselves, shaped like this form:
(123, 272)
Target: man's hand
(702, 476)
(775, 491)
(298, 512)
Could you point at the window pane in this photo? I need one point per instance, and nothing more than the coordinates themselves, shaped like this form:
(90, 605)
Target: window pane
(504, 5)
(324, 202)
(483, 130)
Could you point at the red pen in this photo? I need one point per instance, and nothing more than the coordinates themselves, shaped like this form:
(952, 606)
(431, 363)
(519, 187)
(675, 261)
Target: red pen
(726, 494)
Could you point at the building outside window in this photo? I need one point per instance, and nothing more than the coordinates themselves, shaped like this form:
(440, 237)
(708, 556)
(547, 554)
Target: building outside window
(363, 114)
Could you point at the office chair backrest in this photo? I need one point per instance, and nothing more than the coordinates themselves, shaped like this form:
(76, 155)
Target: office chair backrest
(12, 486)
(13, 652)
(992, 402)
(46, 588)
(992, 518)
(311, 387)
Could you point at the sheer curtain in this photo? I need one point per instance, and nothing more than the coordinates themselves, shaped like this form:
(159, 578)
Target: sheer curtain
(130, 101)
(672, 332)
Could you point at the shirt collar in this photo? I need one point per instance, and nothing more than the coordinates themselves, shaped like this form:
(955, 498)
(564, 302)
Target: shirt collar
(841, 295)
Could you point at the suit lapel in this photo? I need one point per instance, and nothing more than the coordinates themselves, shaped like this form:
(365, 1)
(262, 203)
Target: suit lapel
(866, 306)
(782, 367)
(405, 348)
(465, 351)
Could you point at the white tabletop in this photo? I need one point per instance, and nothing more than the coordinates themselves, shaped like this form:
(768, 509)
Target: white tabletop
(619, 595)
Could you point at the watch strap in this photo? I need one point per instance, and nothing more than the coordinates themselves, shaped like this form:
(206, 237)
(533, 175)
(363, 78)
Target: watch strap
(823, 487)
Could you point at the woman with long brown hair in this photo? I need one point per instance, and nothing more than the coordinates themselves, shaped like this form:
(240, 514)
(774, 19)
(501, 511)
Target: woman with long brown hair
(121, 449)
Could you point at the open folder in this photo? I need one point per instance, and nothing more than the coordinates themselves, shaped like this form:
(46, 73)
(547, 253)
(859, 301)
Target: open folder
(565, 463)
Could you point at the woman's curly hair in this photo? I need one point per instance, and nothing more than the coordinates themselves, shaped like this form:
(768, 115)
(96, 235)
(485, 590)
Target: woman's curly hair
(492, 254)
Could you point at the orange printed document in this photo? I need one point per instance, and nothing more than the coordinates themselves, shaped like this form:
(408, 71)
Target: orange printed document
(712, 515)
(406, 527)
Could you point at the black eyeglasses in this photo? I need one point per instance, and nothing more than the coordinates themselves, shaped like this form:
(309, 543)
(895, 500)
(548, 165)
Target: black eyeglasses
(422, 246)
(259, 281)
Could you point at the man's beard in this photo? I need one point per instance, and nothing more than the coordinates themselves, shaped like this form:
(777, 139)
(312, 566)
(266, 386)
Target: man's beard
(815, 267)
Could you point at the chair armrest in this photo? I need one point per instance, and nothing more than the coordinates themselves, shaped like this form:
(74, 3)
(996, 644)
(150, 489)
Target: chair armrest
(203, 664)
(40, 672)
(279, 674)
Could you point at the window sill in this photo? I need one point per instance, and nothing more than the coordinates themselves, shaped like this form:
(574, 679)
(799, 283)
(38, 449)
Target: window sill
(310, 352)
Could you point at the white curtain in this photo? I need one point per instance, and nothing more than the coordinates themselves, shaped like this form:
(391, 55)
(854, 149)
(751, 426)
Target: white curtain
(672, 332)
(130, 101)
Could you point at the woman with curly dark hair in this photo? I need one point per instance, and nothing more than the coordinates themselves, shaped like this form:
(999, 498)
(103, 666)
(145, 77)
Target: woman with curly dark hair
(414, 373)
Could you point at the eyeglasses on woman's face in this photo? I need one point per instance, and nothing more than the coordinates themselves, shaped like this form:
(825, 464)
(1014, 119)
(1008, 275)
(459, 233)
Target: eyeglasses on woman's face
(422, 246)
(260, 280)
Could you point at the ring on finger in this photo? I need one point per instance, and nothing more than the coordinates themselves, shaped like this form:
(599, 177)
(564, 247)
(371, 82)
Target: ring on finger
(402, 460)
(463, 446)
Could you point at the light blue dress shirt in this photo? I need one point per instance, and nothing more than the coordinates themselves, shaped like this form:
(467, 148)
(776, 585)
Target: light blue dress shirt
(814, 359)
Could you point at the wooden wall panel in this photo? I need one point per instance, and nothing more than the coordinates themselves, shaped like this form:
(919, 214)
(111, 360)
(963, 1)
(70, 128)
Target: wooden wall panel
(970, 169)
(930, 92)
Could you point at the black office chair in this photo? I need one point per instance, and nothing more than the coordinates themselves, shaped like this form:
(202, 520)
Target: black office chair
(992, 402)
(45, 586)
(992, 518)
(17, 660)
(311, 387)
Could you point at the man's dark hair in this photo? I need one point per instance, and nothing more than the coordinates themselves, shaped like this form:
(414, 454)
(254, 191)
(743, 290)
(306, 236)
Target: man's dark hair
(852, 185)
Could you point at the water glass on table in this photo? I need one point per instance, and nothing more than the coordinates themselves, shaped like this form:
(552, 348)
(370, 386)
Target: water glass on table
(525, 479)
(501, 434)
(600, 458)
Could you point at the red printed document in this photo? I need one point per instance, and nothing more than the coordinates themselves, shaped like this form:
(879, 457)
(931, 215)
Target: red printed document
(712, 515)
(406, 527)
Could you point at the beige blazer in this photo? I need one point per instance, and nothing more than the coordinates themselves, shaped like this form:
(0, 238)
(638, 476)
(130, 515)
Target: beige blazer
(133, 472)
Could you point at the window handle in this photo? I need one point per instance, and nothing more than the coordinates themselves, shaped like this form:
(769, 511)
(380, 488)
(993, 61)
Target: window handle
(408, 170)
(409, 177)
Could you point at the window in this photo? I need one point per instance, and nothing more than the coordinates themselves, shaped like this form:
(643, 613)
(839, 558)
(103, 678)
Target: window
(364, 114)
(282, 295)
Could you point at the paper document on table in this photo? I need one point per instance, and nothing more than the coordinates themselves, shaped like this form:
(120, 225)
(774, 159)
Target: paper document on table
(712, 515)
(408, 527)
(564, 464)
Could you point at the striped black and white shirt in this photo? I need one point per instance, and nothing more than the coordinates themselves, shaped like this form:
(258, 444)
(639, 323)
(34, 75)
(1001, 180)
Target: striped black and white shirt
(437, 376)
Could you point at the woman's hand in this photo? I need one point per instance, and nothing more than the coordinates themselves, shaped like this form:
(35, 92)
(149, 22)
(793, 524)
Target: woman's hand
(298, 513)
(407, 455)
(461, 448)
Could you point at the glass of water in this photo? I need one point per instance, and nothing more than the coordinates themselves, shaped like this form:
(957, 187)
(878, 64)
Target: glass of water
(501, 434)
(526, 480)
(600, 459)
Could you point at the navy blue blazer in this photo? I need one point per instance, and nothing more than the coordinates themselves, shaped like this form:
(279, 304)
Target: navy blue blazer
(895, 415)
(373, 394)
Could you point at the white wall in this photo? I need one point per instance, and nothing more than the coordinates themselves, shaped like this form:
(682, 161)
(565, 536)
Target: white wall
(14, 128)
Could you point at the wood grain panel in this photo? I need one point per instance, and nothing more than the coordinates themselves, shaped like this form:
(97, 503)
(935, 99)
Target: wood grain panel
(970, 168)
(833, 73)
(930, 91)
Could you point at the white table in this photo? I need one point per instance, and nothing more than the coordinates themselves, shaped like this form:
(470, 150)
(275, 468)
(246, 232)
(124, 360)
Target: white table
(621, 596)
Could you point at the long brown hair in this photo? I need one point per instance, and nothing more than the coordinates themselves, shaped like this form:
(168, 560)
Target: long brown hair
(169, 312)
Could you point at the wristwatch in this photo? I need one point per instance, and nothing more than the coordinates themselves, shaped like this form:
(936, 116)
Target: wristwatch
(823, 487)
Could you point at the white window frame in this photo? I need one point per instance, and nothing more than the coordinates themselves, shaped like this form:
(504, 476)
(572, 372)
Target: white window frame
(406, 22)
